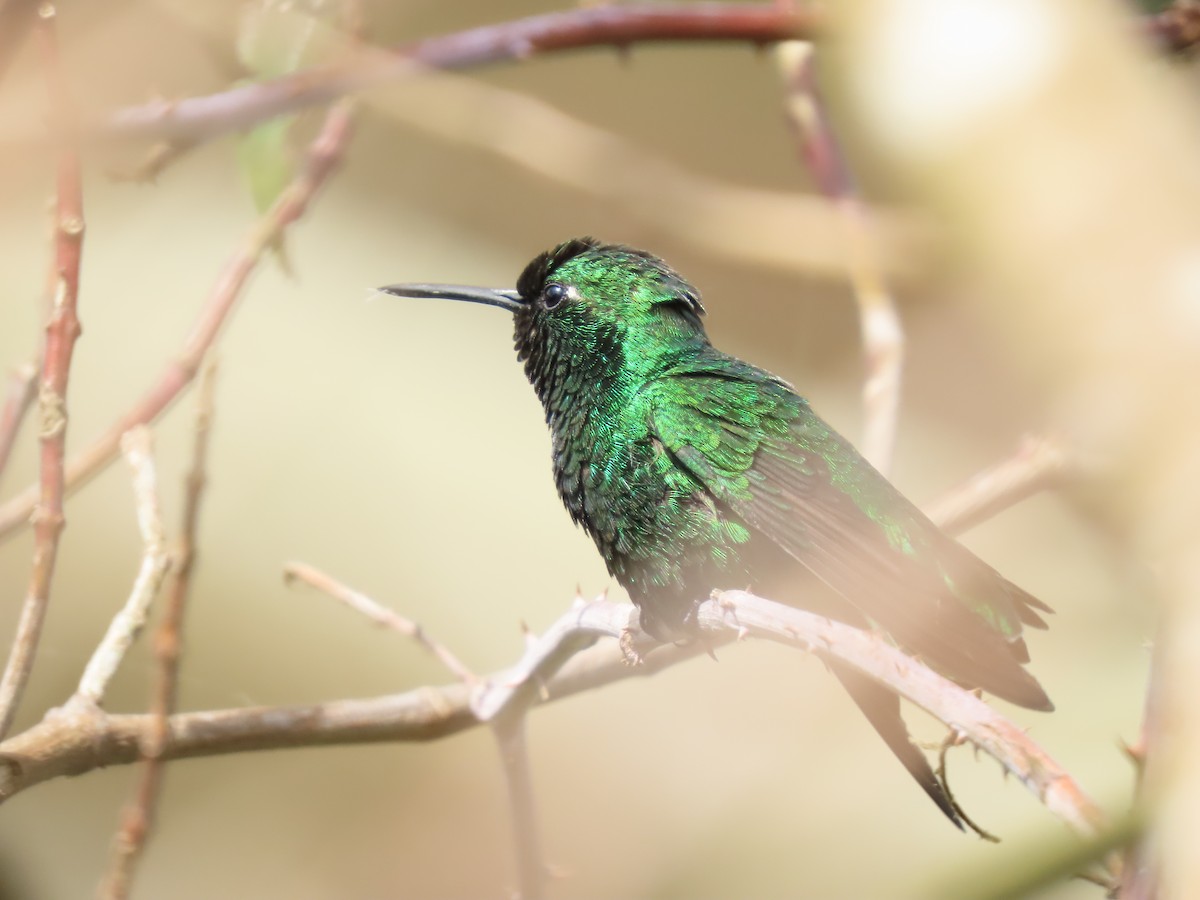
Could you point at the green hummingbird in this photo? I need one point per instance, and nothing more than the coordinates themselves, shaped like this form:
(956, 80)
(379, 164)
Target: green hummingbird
(693, 470)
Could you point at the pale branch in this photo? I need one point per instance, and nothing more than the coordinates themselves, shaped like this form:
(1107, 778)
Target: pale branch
(69, 741)
(74, 741)
(514, 759)
(200, 118)
(45, 500)
(323, 156)
(138, 816)
(1140, 869)
(22, 383)
(879, 323)
(379, 614)
(127, 624)
(1040, 462)
(509, 731)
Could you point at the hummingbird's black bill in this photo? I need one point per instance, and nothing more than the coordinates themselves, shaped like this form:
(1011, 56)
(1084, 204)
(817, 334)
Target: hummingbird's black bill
(501, 297)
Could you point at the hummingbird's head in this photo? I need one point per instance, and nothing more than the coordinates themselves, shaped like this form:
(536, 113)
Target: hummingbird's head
(593, 311)
(588, 299)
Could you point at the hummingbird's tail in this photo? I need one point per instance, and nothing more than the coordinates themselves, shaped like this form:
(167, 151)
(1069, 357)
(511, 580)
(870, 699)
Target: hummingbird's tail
(882, 709)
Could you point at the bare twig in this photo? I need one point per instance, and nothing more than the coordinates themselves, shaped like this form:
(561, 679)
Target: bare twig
(138, 816)
(16, 404)
(154, 163)
(323, 156)
(379, 614)
(1039, 463)
(1140, 872)
(514, 757)
(200, 118)
(46, 502)
(882, 334)
(127, 624)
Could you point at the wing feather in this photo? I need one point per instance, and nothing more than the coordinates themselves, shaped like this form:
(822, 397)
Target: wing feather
(761, 453)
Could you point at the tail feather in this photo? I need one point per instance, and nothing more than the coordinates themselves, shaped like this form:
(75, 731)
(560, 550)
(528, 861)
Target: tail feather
(882, 709)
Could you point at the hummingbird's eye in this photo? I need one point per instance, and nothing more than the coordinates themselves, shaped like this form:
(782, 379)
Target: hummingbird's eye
(553, 295)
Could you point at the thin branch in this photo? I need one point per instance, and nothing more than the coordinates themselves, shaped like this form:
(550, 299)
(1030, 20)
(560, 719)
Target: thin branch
(17, 402)
(201, 118)
(514, 757)
(1038, 464)
(45, 502)
(1140, 874)
(138, 817)
(882, 333)
(127, 624)
(323, 156)
(379, 614)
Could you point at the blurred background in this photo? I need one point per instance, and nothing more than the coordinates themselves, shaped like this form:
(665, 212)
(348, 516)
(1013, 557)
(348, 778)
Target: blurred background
(396, 445)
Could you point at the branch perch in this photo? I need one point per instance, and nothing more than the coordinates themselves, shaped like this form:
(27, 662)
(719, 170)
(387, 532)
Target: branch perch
(70, 742)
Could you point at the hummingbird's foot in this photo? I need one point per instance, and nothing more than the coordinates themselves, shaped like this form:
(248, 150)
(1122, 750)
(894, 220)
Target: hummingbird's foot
(628, 653)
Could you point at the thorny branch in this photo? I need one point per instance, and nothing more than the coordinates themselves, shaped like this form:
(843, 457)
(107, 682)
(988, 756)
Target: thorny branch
(45, 502)
(71, 741)
(323, 156)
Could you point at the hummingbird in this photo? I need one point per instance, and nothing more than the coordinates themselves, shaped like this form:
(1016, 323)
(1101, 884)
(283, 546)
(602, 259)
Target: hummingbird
(694, 471)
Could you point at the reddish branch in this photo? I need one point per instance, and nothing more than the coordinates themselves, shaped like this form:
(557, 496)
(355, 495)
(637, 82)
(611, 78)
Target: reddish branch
(1038, 464)
(61, 331)
(620, 26)
(594, 26)
(323, 157)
